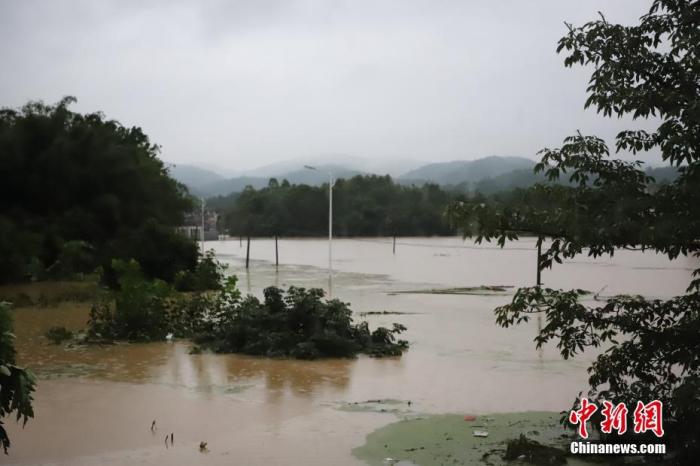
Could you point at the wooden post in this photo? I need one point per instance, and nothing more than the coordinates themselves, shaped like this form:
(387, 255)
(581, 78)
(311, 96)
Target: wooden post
(539, 268)
(394, 244)
(247, 253)
(277, 256)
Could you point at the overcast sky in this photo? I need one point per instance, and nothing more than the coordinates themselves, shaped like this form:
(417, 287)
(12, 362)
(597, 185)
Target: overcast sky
(239, 84)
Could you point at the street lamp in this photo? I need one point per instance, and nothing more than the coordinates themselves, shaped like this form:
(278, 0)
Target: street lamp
(202, 238)
(330, 222)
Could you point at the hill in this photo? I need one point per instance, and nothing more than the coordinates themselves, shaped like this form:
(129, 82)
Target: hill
(193, 176)
(223, 186)
(466, 171)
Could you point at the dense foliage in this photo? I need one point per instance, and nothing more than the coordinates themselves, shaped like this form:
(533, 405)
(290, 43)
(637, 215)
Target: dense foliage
(78, 190)
(362, 206)
(298, 324)
(649, 69)
(207, 275)
(136, 310)
(16, 384)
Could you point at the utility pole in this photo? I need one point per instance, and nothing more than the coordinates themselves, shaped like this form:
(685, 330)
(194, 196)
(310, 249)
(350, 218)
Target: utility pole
(330, 225)
(277, 256)
(247, 254)
(539, 256)
(202, 226)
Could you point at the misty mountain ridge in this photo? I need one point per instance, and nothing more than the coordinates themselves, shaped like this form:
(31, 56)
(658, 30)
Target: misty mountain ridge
(205, 182)
(487, 175)
(467, 171)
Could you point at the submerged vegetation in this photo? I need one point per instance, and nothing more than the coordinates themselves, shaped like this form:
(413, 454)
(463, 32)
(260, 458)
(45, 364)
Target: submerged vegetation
(58, 334)
(297, 323)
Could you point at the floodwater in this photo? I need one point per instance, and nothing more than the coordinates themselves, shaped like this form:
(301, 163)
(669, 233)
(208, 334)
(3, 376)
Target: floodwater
(96, 405)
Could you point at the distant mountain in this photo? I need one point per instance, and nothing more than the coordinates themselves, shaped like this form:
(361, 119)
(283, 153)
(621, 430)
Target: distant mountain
(318, 176)
(222, 186)
(663, 174)
(231, 185)
(384, 166)
(467, 171)
(193, 177)
(203, 182)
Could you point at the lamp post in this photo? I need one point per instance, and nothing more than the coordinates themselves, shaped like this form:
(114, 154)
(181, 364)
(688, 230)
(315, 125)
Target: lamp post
(202, 238)
(330, 224)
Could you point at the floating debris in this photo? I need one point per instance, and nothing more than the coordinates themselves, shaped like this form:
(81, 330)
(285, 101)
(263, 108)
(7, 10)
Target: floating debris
(375, 406)
(534, 452)
(481, 433)
(383, 313)
(485, 290)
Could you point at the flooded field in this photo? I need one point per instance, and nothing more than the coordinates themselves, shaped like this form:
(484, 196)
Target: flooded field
(96, 405)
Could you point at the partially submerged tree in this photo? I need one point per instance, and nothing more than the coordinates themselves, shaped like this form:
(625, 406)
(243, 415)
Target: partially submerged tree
(649, 70)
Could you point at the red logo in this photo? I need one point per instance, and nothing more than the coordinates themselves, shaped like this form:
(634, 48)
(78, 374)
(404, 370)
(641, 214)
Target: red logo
(615, 418)
(647, 417)
(581, 416)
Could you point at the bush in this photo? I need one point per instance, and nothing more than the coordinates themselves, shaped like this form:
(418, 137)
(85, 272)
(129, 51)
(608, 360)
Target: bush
(208, 275)
(58, 335)
(140, 310)
(297, 324)
(160, 251)
(76, 257)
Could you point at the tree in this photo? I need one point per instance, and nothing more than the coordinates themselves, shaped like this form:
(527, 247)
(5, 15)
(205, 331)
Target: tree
(16, 384)
(646, 70)
(70, 177)
(363, 206)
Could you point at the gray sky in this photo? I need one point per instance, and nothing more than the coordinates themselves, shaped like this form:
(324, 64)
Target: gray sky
(239, 84)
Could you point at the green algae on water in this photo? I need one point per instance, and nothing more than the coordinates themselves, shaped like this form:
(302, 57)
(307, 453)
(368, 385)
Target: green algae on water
(449, 439)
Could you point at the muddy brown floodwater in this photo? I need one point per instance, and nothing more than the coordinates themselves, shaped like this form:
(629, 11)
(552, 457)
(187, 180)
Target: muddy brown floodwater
(96, 405)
